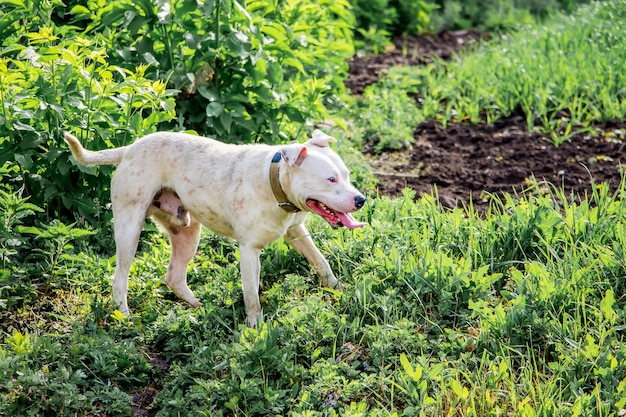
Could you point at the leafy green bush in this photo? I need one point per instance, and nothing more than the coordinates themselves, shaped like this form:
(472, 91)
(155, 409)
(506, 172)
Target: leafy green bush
(261, 378)
(247, 72)
(51, 80)
(377, 21)
(15, 285)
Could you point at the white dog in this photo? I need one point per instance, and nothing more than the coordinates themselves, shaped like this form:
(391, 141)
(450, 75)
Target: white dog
(253, 193)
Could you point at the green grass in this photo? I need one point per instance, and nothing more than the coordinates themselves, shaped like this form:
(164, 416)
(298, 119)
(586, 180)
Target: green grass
(560, 77)
(385, 115)
(519, 312)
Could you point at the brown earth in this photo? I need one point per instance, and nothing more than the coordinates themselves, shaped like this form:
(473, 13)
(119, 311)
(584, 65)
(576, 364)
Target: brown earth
(465, 161)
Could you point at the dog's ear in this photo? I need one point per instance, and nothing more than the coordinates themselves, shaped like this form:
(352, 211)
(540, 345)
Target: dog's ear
(321, 139)
(294, 154)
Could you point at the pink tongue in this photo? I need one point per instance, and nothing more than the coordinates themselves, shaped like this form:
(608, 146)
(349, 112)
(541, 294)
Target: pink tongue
(348, 221)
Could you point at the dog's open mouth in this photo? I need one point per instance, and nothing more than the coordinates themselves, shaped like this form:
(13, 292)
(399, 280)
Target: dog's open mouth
(335, 219)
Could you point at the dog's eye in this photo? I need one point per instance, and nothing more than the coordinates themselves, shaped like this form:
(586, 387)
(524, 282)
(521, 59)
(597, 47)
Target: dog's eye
(332, 179)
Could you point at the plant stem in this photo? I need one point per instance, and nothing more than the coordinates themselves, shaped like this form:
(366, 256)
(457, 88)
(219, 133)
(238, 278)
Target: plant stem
(217, 24)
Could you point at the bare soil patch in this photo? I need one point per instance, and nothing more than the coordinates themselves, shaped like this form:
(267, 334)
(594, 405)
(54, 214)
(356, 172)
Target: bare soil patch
(471, 161)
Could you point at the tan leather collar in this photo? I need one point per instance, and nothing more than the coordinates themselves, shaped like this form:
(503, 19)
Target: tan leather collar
(279, 193)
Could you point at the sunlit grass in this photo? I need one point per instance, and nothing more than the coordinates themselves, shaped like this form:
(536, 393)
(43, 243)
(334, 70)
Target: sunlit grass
(560, 76)
(518, 311)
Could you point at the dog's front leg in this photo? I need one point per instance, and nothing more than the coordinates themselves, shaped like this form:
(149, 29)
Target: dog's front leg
(301, 241)
(250, 265)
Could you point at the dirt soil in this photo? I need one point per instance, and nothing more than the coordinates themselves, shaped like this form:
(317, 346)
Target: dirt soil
(465, 161)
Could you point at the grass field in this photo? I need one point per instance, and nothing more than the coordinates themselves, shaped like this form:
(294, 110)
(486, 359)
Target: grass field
(560, 77)
(516, 312)
(519, 312)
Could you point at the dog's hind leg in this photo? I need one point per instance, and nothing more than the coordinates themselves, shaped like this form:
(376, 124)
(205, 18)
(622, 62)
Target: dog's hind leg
(127, 226)
(130, 204)
(184, 242)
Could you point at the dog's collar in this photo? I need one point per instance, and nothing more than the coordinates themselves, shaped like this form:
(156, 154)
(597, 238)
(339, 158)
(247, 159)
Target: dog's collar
(279, 193)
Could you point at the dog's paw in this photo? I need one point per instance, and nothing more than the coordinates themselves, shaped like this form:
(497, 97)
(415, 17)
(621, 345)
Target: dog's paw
(340, 286)
(195, 303)
(333, 283)
(253, 318)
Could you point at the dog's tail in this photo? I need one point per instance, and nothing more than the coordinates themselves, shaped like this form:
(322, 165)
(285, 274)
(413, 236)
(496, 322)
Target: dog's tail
(90, 158)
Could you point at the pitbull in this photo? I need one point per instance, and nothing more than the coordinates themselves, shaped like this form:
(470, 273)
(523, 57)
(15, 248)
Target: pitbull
(252, 193)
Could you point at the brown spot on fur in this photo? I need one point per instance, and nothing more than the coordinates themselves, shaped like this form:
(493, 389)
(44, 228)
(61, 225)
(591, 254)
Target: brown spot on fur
(238, 186)
(174, 230)
(238, 204)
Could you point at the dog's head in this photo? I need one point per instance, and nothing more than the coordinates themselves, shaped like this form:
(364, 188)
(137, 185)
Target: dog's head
(318, 179)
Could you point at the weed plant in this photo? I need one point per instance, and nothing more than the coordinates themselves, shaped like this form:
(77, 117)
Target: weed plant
(519, 311)
(386, 115)
(560, 77)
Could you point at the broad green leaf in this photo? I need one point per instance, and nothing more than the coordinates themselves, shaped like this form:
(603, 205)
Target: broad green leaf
(114, 15)
(25, 161)
(276, 31)
(208, 93)
(239, 44)
(214, 109)
(80, 10)
(226, 120)
(606, 305)
(17, 3)
(292, 62)
(415, 374)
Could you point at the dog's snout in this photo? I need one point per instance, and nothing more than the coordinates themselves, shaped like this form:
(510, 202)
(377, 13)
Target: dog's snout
(359, 201)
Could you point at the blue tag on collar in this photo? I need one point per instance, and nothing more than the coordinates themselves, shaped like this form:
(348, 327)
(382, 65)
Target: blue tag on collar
(277, 157)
